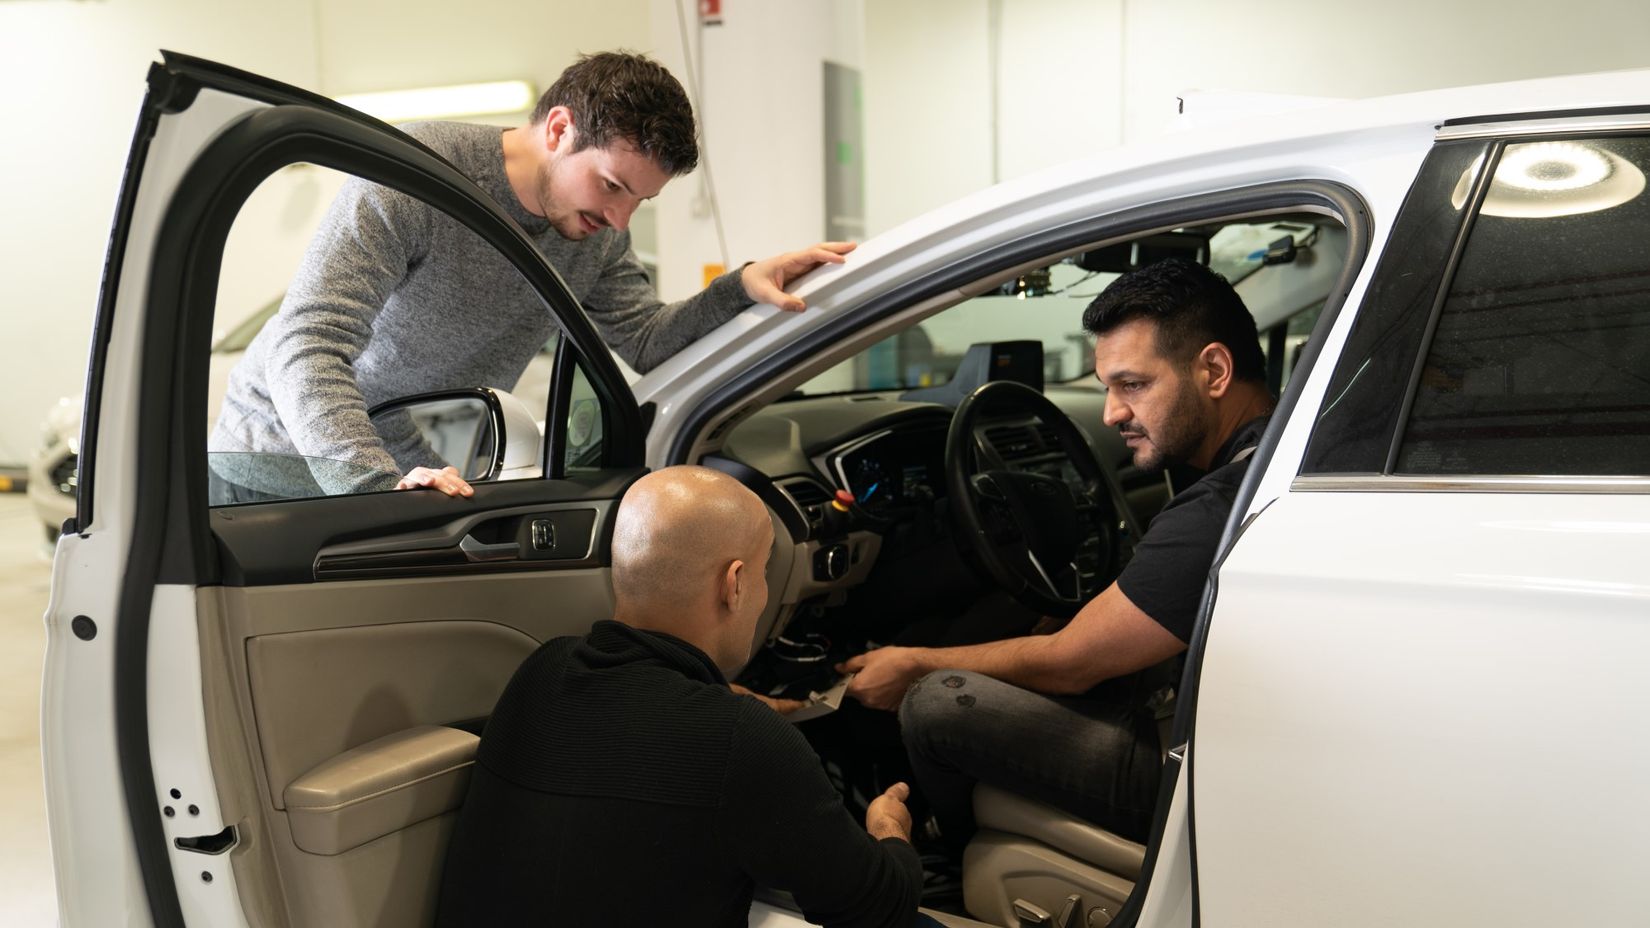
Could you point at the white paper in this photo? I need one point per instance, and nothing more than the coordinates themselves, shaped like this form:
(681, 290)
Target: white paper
(821, 703)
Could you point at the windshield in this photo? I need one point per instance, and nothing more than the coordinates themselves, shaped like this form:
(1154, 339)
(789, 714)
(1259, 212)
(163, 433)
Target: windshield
(1045, 304)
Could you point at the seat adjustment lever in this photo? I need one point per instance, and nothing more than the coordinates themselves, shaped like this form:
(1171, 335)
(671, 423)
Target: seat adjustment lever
(1034, 916)
(1031, 916)
(1071, 913)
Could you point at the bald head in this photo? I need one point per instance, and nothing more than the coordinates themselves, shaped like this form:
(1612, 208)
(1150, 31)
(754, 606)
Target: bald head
(690, 549)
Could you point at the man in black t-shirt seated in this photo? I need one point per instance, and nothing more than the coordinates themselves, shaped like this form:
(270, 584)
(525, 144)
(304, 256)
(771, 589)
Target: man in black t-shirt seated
(1065, 717)
(620, 782)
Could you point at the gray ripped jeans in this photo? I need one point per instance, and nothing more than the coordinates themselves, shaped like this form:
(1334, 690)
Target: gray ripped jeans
(1096, 758)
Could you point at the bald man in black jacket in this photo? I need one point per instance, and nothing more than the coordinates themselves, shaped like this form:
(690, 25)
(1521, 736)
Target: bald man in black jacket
(621, 782)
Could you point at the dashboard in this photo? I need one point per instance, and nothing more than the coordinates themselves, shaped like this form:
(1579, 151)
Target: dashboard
(889, 453)
(858, 483)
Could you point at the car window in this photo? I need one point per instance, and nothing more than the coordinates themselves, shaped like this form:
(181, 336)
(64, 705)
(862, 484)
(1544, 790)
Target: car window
(1046, 304)
(338, 317)
(1355, 428)
(1283, 343)
(1541, 359)
(585, 425)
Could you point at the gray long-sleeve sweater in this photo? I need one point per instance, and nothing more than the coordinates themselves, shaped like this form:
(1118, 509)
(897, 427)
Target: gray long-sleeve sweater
(395, 298)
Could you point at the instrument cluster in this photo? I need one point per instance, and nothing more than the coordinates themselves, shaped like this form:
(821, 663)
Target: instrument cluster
(893, 469)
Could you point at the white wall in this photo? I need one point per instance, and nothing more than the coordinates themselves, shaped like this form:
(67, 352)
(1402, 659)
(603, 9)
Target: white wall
(73, 74)
(1079, 75)
(928, 134)
(367, 45)
(73, 78)
(1061, 73)
(963, 93)
(762, 120)
(1338, 49)
(1071, 76)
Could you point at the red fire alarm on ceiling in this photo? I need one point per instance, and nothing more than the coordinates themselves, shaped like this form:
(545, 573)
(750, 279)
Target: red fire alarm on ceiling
(710, 12)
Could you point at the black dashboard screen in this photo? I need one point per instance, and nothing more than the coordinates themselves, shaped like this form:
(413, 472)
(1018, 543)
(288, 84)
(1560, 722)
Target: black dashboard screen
(895, 469)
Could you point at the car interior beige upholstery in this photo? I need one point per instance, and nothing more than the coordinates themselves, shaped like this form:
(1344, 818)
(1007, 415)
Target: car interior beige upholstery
(382, 786)
(783, 562)
(1027, 850)
(381, 675)
(345, 725)
(352, 710)
(357, 755)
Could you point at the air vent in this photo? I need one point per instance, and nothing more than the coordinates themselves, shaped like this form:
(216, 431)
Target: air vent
(805, 492)
(1029, 441)
(809, 497)
(1010, 440)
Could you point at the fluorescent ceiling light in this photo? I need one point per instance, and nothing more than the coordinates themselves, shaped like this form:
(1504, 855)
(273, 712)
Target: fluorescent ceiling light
(444, 102)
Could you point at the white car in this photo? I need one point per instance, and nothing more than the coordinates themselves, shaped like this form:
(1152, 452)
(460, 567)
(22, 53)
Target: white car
(1413, 688)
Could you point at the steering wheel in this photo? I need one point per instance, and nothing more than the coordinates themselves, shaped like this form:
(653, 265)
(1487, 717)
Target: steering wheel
(1049, 543)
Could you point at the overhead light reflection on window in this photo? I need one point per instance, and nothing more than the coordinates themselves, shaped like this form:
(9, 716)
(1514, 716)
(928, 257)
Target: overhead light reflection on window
(1552, 166)
(1542, 180)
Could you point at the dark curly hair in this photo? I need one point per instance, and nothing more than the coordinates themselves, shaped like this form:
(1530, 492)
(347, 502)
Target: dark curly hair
(624, 95)
(1192, 307)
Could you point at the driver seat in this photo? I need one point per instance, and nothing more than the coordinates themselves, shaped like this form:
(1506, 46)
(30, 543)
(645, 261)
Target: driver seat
(1029, 852)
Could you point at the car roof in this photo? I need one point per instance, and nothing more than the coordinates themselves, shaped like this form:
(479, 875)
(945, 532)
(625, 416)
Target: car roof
(1304, 142)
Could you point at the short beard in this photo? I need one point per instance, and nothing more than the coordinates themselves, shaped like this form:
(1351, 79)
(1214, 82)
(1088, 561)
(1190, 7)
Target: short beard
(547, 205)
(1177, 438)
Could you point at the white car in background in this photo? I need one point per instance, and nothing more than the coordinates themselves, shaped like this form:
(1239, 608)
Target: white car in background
(1410, 694)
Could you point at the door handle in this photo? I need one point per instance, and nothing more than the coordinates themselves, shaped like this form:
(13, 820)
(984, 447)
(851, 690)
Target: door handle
(477, 552)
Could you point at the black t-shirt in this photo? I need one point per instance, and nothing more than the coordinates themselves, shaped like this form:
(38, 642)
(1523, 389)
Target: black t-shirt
(1171, 563)
(620, 783)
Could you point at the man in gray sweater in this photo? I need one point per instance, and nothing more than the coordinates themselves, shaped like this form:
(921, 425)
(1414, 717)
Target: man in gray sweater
(395, 298)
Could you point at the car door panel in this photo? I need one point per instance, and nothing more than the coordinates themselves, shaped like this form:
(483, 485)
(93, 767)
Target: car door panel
(101, 793)
(310, 650)
(324, 670)
(1417, 670)
(408, 533)
(1338, 654)
(244, 648)
(345, 622)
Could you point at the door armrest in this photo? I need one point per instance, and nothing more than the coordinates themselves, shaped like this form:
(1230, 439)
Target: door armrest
(380, 787)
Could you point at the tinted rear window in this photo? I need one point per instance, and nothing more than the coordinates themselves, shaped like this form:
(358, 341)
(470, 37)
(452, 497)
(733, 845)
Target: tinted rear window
(1540, 363)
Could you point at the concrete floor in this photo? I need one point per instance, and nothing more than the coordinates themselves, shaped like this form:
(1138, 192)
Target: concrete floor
(27, 894)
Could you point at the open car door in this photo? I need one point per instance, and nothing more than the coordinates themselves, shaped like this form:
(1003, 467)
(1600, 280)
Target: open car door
(263, 714)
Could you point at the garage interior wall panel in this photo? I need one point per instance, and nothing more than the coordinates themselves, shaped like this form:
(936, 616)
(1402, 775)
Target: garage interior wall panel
(1073, 77)
(927, 112)
(1059, 82)
(1312, 48)
(74, 78)
(368, 45)
(762, 112)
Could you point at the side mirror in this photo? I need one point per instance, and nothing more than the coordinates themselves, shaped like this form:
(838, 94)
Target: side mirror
(482, 432)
